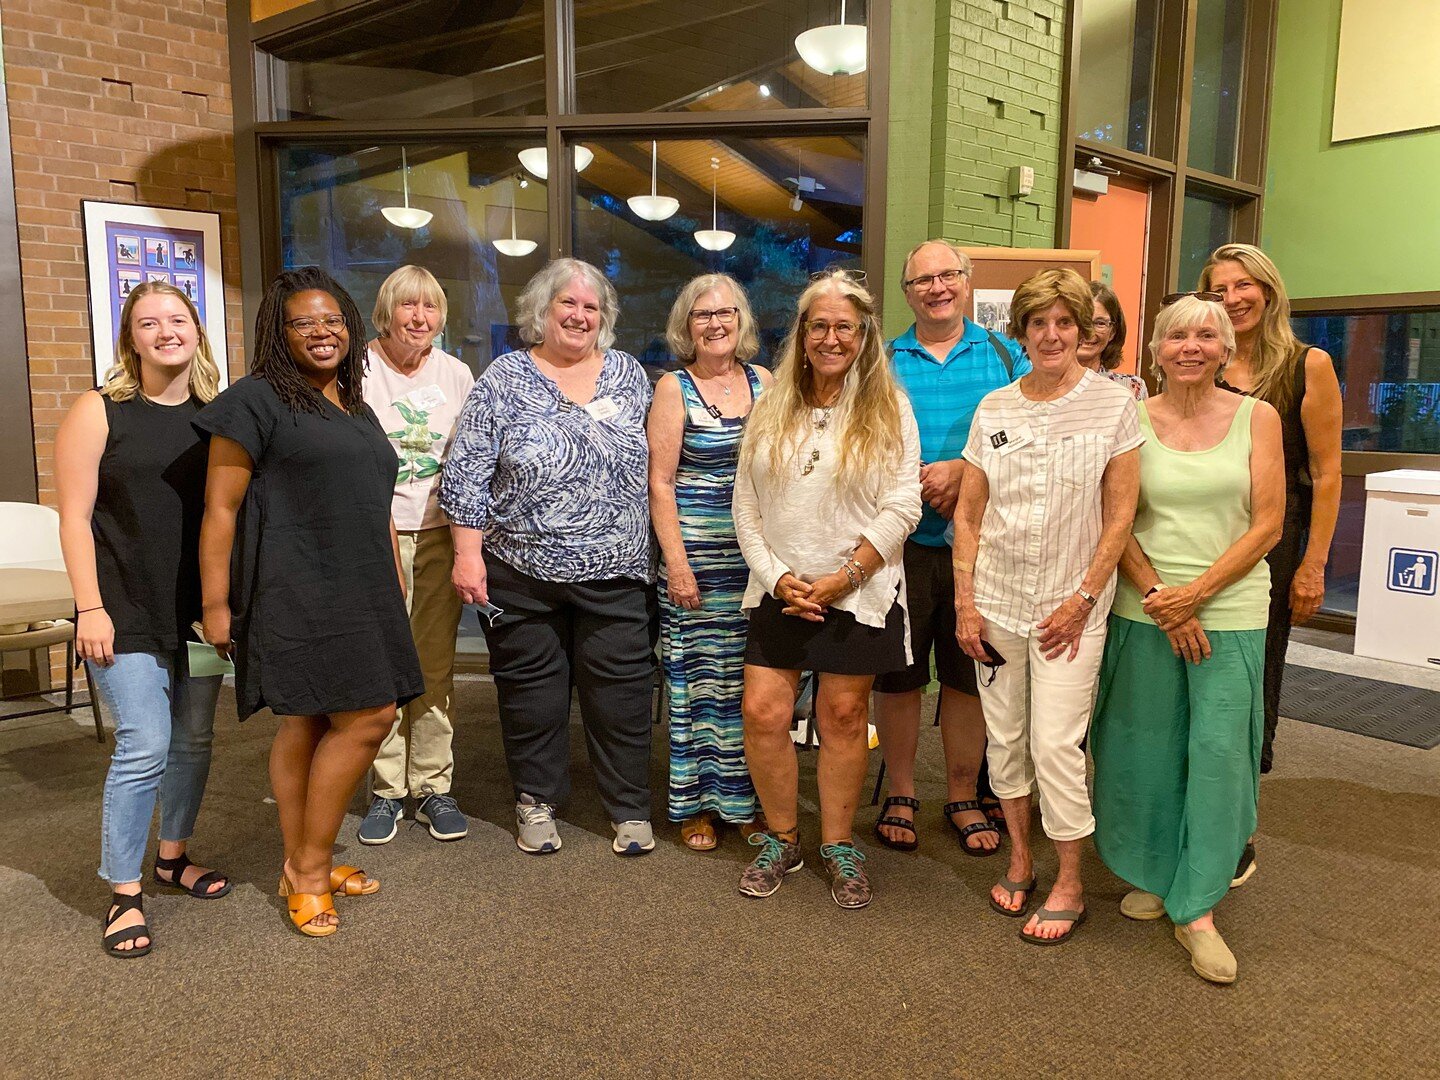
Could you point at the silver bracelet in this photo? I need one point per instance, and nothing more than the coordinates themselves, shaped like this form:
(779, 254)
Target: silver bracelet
(850, 573)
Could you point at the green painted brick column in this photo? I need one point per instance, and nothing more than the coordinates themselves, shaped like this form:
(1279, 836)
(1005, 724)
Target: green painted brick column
(975, 89)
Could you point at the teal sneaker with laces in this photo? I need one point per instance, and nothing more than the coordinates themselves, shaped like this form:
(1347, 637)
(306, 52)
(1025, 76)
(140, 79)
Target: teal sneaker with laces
(767, 870)
(849, 886)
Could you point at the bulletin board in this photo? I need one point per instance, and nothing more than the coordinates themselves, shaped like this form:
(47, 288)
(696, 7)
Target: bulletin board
(999, 271)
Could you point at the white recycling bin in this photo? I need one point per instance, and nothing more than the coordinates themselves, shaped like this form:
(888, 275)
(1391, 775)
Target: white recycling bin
(1399, 610)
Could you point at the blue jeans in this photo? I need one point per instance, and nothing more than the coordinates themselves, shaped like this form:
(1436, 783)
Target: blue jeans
(163, 725)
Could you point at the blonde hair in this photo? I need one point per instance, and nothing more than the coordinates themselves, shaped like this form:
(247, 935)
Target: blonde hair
(1187, 312)
(122, 382)
(1277, 349)
(1042, 291)
(677, 327)
(966, 267)
(407, 283)
(867, 413)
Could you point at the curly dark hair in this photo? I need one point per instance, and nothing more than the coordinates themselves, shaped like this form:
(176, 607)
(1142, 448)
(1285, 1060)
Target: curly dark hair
(1110, 356)
(273, 361)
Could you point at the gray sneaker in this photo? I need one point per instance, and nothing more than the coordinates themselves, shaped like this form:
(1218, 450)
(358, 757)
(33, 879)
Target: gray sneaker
(536, 821)
(443, 816)
(768, 869)
(849, 887)
(633, 838)
(382, 821)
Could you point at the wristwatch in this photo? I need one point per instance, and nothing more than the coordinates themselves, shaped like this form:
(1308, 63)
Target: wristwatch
(1087, 597)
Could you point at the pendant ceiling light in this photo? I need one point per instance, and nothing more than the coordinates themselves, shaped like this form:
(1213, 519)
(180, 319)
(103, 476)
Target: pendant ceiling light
(714, 238)
(834, 50)
(537, 160)
(513, 246)
(653, 207)
(407, 216)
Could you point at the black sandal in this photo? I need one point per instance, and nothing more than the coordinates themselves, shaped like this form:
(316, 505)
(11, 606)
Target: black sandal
(970, 830)
(123, 902)
(177, 866)
(991, 808)
(898, 823)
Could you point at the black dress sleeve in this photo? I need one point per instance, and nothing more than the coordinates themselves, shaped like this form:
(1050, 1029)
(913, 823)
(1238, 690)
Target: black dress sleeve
(245, 413)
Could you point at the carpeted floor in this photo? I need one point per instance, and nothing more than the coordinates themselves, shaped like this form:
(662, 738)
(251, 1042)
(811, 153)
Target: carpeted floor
(476, 960)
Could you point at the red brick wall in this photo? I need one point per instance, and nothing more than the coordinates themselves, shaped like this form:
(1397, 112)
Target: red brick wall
(127, 101)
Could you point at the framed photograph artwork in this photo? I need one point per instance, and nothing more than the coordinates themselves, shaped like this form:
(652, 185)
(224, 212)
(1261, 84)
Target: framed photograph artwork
(126, 244)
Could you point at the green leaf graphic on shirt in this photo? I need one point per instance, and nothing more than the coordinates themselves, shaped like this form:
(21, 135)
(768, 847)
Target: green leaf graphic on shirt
(416, 441)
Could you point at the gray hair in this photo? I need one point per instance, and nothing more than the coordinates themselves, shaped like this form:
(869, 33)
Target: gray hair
(534, 302)
(966, 267)
(677, 327)
(1186, 312)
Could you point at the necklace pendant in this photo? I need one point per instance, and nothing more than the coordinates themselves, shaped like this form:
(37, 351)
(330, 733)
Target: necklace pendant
(726, 389)
(808, 469)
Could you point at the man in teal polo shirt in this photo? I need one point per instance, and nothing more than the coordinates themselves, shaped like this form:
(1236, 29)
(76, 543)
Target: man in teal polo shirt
(946, 364)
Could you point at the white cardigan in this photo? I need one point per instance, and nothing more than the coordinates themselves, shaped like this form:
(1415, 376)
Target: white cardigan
(802, 525)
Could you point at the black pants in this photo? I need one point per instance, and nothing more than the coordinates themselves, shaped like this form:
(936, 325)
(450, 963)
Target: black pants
(597, 636)
(1284, 560)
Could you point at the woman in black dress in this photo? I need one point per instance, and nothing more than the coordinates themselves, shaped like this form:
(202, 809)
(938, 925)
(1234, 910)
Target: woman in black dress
(300, 574)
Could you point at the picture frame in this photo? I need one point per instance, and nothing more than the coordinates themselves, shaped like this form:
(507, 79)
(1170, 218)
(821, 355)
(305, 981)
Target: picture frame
(126, 244)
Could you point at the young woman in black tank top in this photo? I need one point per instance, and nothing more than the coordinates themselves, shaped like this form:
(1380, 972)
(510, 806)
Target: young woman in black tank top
(1272, 364)
(130, 471)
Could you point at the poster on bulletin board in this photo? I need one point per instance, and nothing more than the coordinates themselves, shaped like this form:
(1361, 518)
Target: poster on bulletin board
(126, 245)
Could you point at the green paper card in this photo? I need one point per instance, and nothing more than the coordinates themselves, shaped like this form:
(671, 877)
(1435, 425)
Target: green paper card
(204, 660)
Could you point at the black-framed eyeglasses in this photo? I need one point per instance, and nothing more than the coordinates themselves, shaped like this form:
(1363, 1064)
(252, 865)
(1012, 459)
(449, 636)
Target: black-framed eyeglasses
(307, 327)
(724, 315)
(924, 281)
(1199, 294)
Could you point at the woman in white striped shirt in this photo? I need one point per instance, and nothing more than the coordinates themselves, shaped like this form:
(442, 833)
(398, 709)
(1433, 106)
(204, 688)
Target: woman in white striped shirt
(1043, 516)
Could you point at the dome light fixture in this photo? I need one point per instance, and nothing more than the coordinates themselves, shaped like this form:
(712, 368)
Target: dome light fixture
(537, 160)
(653, 207)
(714, 238)
(407, 216)
(514, 246)
(834, 50)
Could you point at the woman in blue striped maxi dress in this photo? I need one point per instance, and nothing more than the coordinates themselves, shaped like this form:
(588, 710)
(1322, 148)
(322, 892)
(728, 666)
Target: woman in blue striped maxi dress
(696, 422)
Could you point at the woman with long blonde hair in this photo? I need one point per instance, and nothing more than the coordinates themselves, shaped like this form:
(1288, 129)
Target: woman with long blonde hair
(826, 492)
(1299, 380)
(130, 470)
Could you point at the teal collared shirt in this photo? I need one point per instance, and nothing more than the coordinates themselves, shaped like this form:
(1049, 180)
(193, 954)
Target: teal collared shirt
(945, 395)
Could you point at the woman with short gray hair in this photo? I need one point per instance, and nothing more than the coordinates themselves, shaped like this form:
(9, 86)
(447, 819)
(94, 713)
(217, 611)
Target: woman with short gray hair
(546, 491)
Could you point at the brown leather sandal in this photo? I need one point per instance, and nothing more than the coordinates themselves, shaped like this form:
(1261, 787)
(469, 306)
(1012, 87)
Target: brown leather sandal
(305, 907)
(698, 833)
(351, 881)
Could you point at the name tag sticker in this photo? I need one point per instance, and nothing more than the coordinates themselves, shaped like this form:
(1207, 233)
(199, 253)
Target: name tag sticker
(1007, 439)
(602, 409)
(703, 418)
(427, 397)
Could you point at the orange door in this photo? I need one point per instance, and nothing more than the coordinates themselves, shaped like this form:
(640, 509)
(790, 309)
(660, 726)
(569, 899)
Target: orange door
(1117, 225)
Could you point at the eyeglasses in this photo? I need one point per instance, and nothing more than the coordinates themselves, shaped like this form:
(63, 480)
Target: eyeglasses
(306, 327)
(924, 281)
(1101, 324)
(725, 315)
(819, 331)
(857, 276)
(1201, 294)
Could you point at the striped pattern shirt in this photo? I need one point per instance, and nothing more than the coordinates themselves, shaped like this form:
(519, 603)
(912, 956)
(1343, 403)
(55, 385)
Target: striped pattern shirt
(1044, 461)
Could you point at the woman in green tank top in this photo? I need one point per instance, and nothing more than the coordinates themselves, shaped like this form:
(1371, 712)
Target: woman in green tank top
(1180, 711)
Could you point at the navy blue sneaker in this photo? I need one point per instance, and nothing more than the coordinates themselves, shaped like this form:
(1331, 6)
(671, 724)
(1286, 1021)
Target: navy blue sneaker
(382, 821)
(443, 817)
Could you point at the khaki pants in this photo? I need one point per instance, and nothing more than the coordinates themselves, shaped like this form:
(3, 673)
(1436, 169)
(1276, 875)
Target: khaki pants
(415, 758)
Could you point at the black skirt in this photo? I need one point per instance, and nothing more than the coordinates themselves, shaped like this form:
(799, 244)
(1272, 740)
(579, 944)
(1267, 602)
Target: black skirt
(839, 646)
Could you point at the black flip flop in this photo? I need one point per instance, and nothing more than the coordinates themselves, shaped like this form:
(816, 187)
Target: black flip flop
(970, 830)
(898, 823)
(1012, 887)
(1075, 918)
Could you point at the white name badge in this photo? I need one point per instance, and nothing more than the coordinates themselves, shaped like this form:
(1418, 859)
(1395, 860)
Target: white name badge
(602, 409)
(427, 397)
(702, 419)
(1005, 439)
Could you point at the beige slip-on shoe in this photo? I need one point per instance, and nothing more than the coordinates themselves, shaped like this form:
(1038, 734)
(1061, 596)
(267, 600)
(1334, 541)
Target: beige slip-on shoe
(1209, 955)
(1142, 906)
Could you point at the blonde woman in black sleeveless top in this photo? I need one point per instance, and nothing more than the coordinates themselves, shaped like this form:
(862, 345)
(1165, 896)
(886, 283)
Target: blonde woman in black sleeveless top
(130, 471)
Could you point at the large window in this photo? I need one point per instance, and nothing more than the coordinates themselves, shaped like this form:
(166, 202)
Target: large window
(1117, 64)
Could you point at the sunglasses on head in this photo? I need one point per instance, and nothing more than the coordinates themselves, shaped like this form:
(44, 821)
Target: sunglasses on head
(1199, 294)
